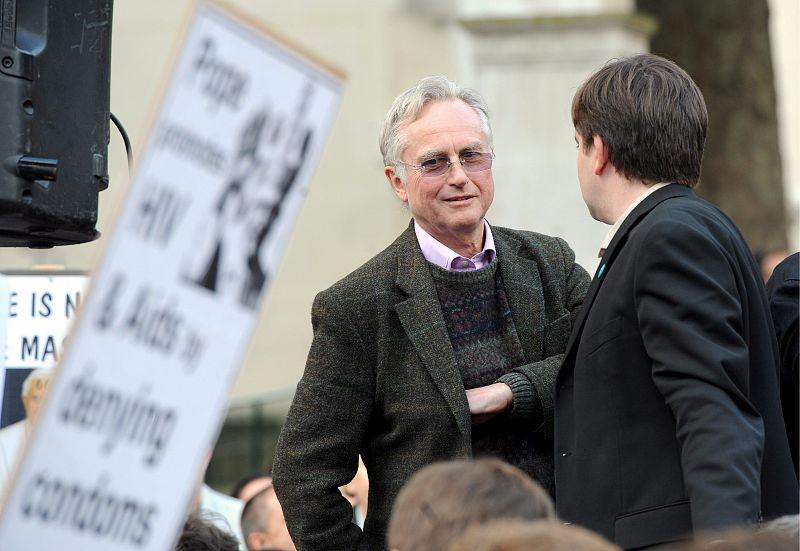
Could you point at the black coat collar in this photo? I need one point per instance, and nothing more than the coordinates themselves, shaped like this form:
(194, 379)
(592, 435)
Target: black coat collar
(616, 244)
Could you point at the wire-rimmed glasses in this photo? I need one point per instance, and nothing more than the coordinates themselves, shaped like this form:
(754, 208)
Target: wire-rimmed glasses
(471, 161)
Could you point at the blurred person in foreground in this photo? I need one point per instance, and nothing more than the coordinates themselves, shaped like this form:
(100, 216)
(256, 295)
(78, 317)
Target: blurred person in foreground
(263, 525)
(522, 535)
(445, 345)
(440, 501)
(739, 539)
(667, 416)
(787, 524)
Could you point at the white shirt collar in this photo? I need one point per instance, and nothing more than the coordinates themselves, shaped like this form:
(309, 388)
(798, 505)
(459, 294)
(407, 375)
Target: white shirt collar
(613, 231)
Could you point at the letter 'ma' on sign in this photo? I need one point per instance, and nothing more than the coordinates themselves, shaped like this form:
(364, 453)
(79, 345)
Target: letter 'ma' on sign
(40, 351)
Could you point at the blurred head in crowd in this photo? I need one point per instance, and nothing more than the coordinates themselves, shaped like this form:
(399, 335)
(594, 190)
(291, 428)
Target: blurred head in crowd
(740, 539)
(787, 524)
(523, 535)
(33, 391)
(768, 260)
(250, 485)
(200, 534)
(442, 499)
(263, 525)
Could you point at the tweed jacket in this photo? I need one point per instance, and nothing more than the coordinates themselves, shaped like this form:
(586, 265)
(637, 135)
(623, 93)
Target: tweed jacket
(381, 380)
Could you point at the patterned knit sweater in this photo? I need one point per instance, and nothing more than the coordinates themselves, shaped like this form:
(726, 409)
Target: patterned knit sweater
(486, 346)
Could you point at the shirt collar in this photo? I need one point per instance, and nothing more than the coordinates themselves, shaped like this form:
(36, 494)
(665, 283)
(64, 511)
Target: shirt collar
(441, 255)
(613, 231)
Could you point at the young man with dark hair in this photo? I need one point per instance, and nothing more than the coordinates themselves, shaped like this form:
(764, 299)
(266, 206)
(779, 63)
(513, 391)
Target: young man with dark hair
(667, 415)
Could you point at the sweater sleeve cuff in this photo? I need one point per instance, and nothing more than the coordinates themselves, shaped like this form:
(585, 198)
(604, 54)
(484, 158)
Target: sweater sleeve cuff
(527, 403)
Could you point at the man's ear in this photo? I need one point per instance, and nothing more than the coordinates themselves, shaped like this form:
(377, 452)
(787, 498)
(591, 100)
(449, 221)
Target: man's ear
(600, 154)
(256, 540)
(397, 184)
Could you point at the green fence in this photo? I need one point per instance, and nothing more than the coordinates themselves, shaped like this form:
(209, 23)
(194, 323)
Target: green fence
(246, 443)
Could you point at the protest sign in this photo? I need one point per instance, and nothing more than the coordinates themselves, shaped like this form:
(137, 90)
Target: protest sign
(36, 311)
(137, 399)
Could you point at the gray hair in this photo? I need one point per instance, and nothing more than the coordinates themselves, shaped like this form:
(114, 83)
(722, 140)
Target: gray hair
(408, 105)
(41, 374)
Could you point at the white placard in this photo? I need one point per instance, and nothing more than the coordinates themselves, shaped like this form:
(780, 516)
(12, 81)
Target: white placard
(37, 310)
(138, 396)
(41, 307)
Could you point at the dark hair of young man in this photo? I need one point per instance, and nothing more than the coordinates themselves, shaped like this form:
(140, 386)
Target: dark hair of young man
(651, 116)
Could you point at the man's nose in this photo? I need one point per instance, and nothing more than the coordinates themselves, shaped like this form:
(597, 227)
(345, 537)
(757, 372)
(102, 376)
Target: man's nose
(456, 175)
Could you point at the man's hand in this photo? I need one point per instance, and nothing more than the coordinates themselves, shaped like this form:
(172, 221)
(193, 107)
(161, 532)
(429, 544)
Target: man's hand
(487, 401)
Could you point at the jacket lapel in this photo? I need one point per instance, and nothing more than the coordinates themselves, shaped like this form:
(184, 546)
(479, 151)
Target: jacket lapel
(421, 318)
(525, 295)
(613, 249)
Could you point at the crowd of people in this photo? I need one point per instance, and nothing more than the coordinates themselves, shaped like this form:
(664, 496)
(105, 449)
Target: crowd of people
(499, 397)
(482, 504)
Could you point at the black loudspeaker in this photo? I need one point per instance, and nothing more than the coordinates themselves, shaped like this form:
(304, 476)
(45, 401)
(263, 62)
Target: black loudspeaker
(55, 69)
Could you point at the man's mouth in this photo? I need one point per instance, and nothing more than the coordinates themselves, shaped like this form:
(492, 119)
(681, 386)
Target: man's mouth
(459, 198)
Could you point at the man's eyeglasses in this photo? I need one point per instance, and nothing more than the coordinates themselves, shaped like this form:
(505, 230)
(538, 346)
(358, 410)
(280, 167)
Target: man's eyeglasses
(472, 161)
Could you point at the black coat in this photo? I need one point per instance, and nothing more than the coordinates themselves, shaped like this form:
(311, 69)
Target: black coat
(782, 290)
(667, 417)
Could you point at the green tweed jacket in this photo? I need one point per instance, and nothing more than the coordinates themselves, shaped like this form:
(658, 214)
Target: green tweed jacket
(381, 380)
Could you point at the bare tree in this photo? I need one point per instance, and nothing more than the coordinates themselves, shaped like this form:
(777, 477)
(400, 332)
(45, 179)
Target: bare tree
(724, 45)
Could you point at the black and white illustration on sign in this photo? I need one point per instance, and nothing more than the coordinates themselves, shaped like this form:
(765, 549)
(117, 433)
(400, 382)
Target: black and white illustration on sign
(232, 258)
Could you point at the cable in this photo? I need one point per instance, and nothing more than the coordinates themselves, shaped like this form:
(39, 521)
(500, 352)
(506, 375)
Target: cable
(125, 138)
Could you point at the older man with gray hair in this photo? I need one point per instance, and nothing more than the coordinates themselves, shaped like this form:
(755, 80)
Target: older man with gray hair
(445, 345)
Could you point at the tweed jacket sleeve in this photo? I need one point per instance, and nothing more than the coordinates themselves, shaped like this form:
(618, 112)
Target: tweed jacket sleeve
(324, 430)
(563, 285)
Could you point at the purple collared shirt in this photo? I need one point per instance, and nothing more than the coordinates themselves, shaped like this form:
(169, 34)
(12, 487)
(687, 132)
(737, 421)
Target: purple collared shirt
(442, 256)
